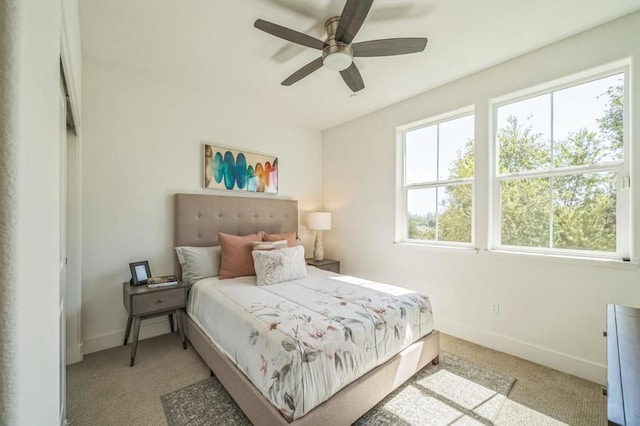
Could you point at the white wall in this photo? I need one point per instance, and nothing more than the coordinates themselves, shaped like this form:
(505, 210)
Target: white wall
(141, 144)
(38, 215)
(550, 312)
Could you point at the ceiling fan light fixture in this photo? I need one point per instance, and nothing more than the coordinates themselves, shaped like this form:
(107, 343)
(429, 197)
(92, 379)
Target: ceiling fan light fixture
(337, 61)
(337, 56)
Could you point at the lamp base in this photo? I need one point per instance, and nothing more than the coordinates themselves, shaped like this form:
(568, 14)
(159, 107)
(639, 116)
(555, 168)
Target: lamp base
(318, 248)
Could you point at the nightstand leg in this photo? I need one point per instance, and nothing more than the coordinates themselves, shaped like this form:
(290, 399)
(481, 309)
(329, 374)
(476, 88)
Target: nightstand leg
(171, 323)
(180, 328)
(136, 331)
(126, 333)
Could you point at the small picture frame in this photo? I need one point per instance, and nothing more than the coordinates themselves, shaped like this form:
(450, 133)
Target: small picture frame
(140, 272)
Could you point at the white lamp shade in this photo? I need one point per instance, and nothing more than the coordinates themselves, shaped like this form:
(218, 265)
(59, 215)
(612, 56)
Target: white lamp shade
(319, 221)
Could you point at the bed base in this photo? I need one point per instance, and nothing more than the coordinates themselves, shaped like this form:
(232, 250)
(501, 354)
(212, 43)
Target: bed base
(344, 408)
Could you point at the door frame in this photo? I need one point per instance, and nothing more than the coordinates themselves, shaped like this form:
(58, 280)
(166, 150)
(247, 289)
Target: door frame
(73, 296)
(62, 257)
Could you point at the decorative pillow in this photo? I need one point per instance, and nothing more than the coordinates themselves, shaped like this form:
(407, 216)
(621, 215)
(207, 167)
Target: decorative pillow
(236, 255)
(276, 266)
(198, 262)
(289, 236)
(268, 245)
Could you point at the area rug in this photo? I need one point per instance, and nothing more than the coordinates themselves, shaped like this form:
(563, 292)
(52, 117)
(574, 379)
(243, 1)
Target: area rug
(454, 391)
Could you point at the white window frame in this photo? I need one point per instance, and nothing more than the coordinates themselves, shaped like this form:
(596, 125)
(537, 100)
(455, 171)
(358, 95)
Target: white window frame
(621, 168)
(403, 188)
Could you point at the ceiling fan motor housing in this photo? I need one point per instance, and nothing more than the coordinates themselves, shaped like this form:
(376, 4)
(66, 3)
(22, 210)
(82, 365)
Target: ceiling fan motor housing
(336, 56)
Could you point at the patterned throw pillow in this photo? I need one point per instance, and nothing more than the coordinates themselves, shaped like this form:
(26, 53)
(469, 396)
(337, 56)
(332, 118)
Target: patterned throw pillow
(276, 266)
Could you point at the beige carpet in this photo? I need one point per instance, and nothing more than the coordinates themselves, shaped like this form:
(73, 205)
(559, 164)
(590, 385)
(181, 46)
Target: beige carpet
(104, 390)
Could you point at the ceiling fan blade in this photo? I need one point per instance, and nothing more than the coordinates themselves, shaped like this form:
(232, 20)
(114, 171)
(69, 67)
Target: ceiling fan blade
(303, 72)
(290, 50)
(352, 77)
(389, 47)
(353, 15)
(288, 34)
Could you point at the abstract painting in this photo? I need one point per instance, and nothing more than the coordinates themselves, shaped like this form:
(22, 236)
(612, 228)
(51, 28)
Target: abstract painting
(235, 170)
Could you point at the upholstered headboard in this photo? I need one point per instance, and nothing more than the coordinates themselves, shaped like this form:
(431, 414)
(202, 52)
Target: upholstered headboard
(199, 218)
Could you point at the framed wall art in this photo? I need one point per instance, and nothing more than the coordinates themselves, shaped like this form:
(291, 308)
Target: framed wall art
(239, 170)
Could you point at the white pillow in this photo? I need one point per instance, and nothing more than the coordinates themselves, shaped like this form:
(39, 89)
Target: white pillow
(268, 245)
(198, 262)
(276, 266)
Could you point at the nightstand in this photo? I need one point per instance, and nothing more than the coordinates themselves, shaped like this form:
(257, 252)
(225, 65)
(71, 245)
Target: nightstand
(142, 302)
(326, 264)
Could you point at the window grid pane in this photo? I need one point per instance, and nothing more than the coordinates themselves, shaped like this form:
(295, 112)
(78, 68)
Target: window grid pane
(584, 212)
(421, 214)
(524, 135)
(454, 213)
(421, 155)
(440, 213)
(455, 149)
(526, 204)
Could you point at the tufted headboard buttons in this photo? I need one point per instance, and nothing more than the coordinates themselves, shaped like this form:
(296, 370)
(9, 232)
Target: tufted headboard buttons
(199, 218)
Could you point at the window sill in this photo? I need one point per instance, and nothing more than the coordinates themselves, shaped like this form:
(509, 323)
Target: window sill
(542, 257)
(439, 247)
(576, 260)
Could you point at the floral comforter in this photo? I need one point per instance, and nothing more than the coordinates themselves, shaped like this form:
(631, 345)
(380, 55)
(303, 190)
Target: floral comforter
(301, 341)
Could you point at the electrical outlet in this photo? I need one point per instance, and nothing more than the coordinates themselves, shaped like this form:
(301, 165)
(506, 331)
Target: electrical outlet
(495, 308)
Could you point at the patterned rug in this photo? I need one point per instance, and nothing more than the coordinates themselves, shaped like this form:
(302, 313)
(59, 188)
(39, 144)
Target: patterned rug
(453, 391)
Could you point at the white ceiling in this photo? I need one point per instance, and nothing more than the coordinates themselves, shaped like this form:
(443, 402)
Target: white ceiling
(211, 46)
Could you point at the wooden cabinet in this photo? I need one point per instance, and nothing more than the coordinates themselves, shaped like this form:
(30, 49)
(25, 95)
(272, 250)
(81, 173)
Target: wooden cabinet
(326, 264)
(142, 302)
(623, 365)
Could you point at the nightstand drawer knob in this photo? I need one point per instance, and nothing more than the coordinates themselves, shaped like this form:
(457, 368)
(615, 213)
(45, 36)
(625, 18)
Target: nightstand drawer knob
(159, 301)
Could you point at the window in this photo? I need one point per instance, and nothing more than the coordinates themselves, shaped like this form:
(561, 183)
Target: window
(561, 168)
(437, 184)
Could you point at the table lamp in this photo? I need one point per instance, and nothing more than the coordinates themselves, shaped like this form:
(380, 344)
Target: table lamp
(319, 221)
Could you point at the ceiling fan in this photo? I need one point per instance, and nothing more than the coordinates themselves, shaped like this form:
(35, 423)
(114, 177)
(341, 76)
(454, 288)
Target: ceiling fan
(337, 50)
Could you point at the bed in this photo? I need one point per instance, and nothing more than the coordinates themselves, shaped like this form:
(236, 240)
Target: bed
(363, 380)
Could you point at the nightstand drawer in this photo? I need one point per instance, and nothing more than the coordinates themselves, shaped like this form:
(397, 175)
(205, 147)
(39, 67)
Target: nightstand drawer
(325, 264)
(158, 301)
(332, 267)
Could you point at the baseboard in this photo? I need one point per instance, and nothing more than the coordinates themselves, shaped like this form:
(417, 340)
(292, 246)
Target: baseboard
(74, 354)
(148, 328)
(540, 355)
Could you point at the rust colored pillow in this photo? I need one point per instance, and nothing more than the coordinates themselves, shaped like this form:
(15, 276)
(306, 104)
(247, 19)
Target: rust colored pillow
(289, 236)
(236, 259)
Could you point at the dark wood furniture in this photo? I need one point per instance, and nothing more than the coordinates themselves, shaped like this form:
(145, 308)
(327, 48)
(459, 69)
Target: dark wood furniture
(142, 302)
(326, 264)
(623, 365)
